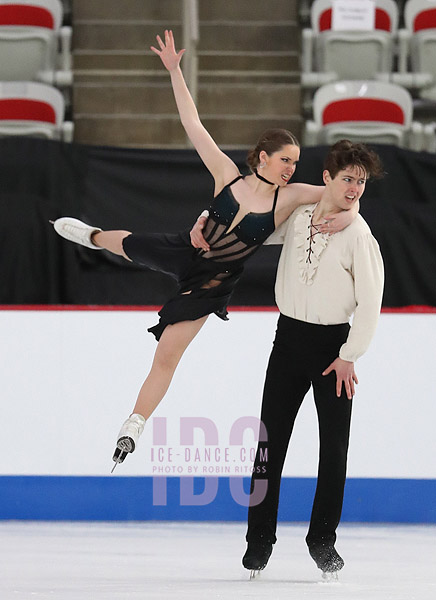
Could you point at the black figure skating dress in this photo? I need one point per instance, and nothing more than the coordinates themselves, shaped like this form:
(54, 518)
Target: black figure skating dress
(206, 279)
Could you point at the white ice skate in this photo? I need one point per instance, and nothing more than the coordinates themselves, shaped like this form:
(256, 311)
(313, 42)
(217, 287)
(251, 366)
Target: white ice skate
(76, 231)
(128, 438)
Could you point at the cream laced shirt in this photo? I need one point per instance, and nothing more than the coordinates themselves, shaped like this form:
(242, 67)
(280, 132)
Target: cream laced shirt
(329, 279)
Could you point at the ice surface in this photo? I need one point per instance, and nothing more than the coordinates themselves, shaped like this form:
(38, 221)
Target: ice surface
(156, 560)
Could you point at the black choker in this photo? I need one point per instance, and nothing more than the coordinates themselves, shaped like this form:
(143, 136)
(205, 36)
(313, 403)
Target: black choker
(263, 178)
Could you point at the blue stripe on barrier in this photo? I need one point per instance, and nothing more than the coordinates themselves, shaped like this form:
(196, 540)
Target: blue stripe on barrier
(200, 499)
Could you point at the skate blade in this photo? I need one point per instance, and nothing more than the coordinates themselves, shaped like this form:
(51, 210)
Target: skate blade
(118, 458)
(254, 574)
(330, 576)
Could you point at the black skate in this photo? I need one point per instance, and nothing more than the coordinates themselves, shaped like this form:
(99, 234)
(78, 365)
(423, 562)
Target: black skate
(256, 557)
(118, 457)
(326, 558)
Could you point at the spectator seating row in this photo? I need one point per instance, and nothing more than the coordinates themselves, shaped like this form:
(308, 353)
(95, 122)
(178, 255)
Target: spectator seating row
(330, 55)
(35, 51)
(33, 109)
(393, 58)
(417, 48)
(367, 111)
(304, 7)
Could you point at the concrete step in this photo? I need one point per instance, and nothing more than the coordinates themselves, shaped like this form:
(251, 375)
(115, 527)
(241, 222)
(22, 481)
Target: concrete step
(248, 69)
(254, 77)
(231, 35)
(119, 77)
(219, 99)
(116, 60)
(251, 99)
(152, 77)
(281, 60)
(165, 131)
(212, 60)
(119, 35)
(255, 10)
(128, 99)
(147, 77)
(239, 36)
(127, 9)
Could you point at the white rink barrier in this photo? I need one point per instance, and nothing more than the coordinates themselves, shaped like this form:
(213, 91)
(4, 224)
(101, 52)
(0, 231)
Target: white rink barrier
(70, 377)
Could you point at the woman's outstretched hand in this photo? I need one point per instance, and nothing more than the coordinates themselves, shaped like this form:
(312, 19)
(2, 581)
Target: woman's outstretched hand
(167, 53)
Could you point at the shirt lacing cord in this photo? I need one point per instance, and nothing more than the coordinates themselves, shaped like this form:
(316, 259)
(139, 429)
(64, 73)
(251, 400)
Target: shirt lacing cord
(311, 240)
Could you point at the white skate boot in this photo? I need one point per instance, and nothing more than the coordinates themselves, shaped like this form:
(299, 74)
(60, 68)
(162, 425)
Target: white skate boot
(128, 438)
(76, 231)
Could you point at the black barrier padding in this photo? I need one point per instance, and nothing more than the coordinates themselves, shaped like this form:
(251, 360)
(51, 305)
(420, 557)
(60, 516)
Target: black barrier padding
(165, 190)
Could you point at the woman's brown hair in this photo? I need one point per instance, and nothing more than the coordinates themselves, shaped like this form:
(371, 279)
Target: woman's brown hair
(271, 140)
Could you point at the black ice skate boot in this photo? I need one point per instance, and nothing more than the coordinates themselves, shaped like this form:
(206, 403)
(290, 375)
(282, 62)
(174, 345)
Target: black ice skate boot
(256, 557)
(326, 557)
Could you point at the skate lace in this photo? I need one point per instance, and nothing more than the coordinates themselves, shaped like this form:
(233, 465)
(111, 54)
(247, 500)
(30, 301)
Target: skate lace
(72, 228)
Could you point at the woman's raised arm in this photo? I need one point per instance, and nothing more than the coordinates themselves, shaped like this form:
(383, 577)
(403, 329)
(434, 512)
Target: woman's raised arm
(222, 168)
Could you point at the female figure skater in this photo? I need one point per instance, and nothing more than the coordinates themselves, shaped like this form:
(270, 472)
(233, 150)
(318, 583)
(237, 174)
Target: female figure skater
(243, 213)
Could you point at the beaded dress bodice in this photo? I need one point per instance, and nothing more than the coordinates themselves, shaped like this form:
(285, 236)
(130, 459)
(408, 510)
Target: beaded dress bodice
(230, 243)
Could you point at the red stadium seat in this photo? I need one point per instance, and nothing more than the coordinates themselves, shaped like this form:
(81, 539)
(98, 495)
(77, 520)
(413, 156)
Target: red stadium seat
(33, 44)
(364, 111)
(33, 109)
(417, 48)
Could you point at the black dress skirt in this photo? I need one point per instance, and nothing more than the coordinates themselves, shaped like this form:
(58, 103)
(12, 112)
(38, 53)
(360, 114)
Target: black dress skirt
(174, 255)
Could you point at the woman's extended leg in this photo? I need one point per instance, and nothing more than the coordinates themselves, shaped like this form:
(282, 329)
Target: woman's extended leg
(111, 240)
(91, 237)
(172, 344)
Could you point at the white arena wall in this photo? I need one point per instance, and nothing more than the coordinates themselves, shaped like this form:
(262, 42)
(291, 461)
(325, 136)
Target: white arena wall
(70, 377)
